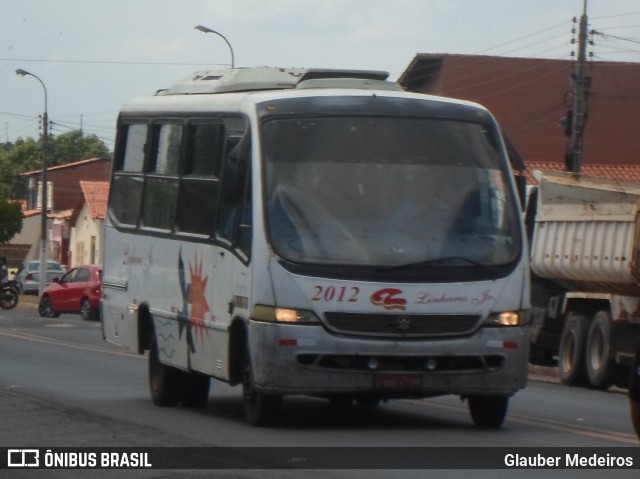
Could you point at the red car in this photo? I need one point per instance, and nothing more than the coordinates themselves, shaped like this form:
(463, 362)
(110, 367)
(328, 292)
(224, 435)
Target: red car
(78, 291)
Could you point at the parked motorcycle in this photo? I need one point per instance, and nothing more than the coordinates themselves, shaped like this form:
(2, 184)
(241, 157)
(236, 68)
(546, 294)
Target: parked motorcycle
(9, 295)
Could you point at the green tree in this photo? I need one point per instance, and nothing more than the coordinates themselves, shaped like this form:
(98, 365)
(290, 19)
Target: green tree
(22, 156)
(10, 220)
(26, 155)
(74, 146)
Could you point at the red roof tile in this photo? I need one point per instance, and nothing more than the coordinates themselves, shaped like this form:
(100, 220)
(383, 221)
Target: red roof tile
(96, 194)
(629, 173)
(530, 96)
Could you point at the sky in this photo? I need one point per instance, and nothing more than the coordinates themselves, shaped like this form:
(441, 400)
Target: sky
(93, 56)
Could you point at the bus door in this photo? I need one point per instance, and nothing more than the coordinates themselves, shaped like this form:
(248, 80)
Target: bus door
(228, 278)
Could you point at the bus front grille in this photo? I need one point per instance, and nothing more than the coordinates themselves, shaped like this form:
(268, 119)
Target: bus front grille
(402, 325)
(402, 364)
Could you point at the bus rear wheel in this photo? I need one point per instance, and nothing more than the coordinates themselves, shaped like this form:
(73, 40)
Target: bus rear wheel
(260, 409)
(164, 381)
(488, 411)
(195, 389)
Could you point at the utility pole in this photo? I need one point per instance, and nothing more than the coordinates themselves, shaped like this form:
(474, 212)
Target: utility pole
(44, 250)
(581, 83)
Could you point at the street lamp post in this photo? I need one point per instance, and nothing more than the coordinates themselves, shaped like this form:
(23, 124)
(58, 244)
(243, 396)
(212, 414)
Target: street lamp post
(43, 203)
(208, 30)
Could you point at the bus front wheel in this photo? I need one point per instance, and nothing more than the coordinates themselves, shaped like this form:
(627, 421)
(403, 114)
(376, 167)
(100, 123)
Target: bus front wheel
(260, 409)
(488, 411)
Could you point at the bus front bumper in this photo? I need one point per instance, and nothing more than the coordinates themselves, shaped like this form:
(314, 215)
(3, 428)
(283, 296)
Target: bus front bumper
(308, 360)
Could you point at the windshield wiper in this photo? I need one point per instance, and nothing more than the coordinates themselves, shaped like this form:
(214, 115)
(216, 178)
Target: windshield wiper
(438, 261)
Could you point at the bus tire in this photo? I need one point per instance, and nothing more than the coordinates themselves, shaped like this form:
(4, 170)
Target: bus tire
(601, 368)
(195, 389)
(260, 409)
(341, 401)
(366, 400)
(571, 357)
(164, 381)
(488, 412)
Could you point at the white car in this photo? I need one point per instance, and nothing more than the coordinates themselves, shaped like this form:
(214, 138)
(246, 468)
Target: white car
(28, 275)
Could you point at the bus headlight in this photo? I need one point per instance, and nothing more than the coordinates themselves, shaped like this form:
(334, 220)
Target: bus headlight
(508, 318)
(274, 314)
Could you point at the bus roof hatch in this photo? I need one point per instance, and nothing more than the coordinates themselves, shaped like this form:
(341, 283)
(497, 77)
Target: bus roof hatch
(264, 78)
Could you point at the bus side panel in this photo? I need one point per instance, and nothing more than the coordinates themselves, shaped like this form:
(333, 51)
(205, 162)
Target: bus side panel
(172, 345)
(227, 298)
(211, 356)
(119, 322)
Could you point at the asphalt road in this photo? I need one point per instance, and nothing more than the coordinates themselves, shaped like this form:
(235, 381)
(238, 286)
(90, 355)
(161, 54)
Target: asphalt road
(62, 386)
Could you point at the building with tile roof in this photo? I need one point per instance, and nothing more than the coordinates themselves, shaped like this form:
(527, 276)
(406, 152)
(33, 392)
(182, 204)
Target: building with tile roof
(630, 173)
(530, 98)
(96, 194)
(64, 179)
(66, 197)
(86, 237)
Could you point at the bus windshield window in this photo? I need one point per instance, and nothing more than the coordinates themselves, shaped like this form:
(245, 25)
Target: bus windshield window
(380, 191)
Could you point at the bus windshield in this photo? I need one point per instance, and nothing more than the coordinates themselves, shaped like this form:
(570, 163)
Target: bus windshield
(387, 192)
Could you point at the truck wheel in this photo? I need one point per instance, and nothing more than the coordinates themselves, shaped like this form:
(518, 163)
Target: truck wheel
(488, 411)
(601, 368)
(571, 364)
(260, 409)
(164, 381)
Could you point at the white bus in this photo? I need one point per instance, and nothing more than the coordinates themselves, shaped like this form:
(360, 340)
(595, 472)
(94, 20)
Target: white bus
(316, 232)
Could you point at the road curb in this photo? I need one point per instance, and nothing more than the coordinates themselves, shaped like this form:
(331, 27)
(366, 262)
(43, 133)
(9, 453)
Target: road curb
(27, 305)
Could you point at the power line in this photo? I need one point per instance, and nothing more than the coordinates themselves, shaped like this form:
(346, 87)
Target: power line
(103, 62)
(608, 35)
(522, 38)
(618, 15)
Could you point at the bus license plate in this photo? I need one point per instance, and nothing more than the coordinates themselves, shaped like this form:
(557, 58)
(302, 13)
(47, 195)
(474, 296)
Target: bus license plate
(397, 382)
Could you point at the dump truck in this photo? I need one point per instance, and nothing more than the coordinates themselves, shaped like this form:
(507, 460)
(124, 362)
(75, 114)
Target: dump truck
(584, 235)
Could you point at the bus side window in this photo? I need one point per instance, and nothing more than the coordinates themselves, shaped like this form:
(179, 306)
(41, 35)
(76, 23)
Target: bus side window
(204, 155)
(199, 186)
(127, 184)
(161, 187)
(234, 218)
(132, 158)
